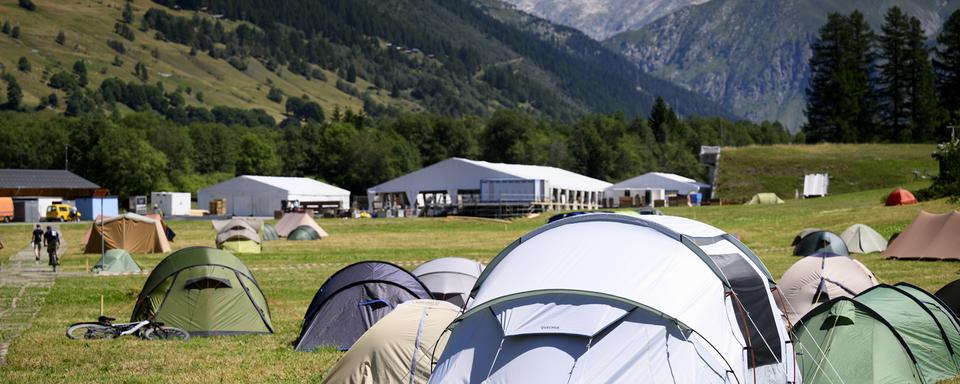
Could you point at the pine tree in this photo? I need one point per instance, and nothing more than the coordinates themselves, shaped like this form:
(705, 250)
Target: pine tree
(893, 87)
(824, 112)
(861, 67)
(61, 38)
(23, 65)
(922, 104)
(947, 64)
(80, 70)
(661, 117)
(15, 32)
(128, 13)
(14, 93)
(6, 27)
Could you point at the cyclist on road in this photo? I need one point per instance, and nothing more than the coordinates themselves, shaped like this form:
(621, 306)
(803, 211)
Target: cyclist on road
(52, 240)
(37, 242)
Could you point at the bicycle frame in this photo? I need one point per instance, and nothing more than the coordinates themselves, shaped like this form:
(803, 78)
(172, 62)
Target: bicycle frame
(129, 328)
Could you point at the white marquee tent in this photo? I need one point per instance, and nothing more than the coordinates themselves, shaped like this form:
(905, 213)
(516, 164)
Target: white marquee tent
(661, 184)
(263, 195)
(612, 298)
(457, 180)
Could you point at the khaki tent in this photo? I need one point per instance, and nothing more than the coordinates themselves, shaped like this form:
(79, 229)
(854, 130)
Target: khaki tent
(860, 238)
(291, 221)
(238, 236)
(207, 292)
(820, 278)
(929, 237)
(765, 198)
(254, 224)
(130, 231)
(400, 347)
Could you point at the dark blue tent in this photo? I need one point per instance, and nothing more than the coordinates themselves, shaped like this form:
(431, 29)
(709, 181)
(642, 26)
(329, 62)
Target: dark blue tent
(352, 300)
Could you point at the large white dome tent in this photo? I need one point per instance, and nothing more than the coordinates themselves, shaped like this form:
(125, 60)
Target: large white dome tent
(604, 298)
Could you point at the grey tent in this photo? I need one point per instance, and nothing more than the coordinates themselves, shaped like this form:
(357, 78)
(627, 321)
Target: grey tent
(950, 295)
(449, 278)
(304, 232)
(268, 233)
(116, 261)
(860, 238)
(352, 300)
(802, 234)
(820, 241)
(819, 278)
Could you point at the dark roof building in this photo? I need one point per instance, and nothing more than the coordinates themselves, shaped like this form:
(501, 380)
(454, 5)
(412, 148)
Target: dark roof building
(44, 182)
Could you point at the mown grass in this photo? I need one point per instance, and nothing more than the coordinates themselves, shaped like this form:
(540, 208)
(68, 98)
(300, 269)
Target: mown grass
(291, 272)
(746, 171)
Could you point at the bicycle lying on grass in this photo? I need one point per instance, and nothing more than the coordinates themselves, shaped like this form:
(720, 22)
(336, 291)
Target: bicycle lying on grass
(103, 328)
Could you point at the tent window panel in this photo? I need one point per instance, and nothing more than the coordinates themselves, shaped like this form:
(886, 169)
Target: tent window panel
(207, 283)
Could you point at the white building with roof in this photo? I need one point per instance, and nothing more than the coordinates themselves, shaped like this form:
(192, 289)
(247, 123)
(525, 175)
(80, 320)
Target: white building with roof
(263, 195)
(650, 187)
(456, 182)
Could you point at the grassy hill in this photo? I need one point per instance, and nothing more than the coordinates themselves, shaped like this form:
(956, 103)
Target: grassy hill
(746, 171)
(291, 272)
(89, 24)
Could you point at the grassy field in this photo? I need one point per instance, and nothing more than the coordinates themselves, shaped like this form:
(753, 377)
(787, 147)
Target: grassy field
(87, 24)
(746, 171)
(291, 272)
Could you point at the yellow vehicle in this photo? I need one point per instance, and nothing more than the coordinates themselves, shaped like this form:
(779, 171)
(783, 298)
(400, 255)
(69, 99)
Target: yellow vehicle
(62, 212)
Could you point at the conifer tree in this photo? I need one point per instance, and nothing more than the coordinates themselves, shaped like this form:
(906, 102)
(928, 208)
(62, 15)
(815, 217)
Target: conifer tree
(892, 84)
(61, 38)
(947, 64)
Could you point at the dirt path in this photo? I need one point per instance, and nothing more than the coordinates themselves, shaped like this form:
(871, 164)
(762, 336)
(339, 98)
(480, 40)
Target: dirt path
(24, 285)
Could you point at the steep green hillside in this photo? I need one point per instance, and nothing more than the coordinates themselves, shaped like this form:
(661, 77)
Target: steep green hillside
(751, 56)
(384, 57)
(746, 171)
(87, 25)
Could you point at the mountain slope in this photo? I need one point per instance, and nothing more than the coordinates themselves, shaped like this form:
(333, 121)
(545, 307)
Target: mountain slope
(382, 56)
(601, 19)
(751, 55)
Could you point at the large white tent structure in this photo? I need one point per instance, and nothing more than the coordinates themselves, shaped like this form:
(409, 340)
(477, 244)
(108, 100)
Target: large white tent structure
(613, 298)
(456, 181)
(264, 195)
(651, 186)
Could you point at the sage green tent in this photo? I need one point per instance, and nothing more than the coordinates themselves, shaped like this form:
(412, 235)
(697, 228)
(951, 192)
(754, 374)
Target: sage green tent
(303, 232)
(205, 291)
(116, 261)
(268, 233)
(887, 334)
(765, 198)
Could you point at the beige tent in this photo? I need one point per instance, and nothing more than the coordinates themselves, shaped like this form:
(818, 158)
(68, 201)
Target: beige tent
(291, 221)
(765, 198)
(130, 231)
(238, 236)
(930, 236)
(398, 346)
(819, 278)
(863, 239)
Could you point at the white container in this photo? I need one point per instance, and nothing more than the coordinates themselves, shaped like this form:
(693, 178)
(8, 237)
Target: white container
(171, 203)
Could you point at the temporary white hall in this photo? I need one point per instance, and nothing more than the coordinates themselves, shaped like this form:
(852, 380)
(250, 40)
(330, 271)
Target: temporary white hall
(652, 186)
(457, 181)
(612, 298)
(264, 195)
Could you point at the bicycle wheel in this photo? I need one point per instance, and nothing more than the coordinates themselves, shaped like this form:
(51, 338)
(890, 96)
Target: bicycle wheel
(91, 331)
(166, 333)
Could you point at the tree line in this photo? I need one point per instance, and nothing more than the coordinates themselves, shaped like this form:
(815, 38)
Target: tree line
(145, 151)
(869, 87)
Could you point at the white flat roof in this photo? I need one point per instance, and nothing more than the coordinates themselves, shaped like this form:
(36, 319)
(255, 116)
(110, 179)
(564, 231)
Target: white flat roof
(299, 185)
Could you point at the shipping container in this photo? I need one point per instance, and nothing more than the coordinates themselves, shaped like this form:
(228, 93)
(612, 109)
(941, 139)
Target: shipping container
(171, 203)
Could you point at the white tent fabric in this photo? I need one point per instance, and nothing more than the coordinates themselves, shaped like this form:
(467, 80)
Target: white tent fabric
(455, 174)
(819, 278)
(263, 195)
(642, 289)
(657, 180)
(863, 239)
(449, 278)
(816, 184)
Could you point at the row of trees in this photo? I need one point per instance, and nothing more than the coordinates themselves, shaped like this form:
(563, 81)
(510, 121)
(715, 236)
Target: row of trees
(144, 151)
(866, 87)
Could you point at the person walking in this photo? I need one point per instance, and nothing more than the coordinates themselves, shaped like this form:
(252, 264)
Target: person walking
(52, 240)
(37, 242)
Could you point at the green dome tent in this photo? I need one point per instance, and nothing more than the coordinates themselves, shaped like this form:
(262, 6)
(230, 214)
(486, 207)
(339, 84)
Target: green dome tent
(820, 241)
(303, 232)
(116, 261)
(765, 198)
(268, 233)
(207, 292)
(889, 334)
